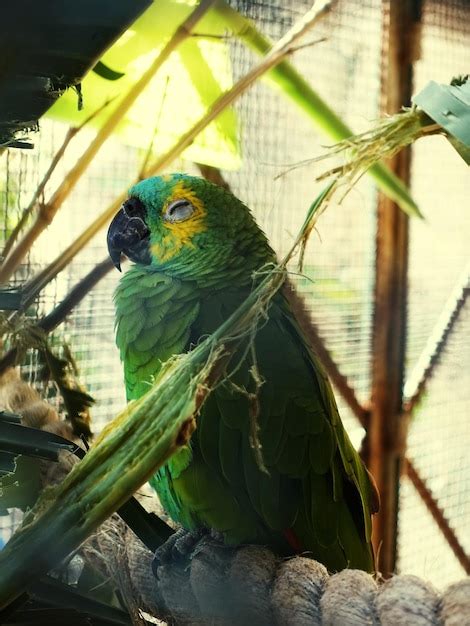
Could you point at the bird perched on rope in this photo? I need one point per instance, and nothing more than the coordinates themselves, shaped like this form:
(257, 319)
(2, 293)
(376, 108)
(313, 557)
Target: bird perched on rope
(195, 249)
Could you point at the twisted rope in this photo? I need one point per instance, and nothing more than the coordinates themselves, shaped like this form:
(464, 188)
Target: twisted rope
(250, 585)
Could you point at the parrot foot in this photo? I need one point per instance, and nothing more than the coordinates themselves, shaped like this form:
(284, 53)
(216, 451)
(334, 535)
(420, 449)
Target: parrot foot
(179, 547)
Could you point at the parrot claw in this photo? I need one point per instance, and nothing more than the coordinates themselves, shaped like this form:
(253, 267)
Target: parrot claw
(177, 548)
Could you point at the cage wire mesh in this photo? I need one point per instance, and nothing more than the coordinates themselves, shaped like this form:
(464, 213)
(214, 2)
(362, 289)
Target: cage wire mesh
(343, 65)
(444, 53)
(439, 436)
(438, 446)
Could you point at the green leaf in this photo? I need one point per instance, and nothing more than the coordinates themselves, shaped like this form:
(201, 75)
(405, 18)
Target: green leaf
(293, 85)
(106, 72)
(178, 95)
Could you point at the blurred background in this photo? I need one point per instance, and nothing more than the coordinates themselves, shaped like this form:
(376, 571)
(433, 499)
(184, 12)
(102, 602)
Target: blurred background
(253, 147)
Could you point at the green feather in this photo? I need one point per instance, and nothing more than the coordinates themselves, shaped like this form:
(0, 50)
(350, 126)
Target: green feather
(292, 460)
(148, 339)
(252, 474)
(274, 438)
(230, 441)
(208, 431)
(324, 509)
(321, 450)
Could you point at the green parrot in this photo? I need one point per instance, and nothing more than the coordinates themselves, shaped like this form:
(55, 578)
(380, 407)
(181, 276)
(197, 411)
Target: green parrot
(195, 249)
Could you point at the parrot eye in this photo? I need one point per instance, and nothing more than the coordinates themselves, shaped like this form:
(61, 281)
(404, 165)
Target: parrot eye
(178, 211)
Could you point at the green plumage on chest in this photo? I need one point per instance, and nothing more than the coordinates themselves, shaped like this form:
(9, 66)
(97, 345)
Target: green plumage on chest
(315, 489)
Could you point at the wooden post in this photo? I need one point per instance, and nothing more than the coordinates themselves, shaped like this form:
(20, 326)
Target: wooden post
(385, 448)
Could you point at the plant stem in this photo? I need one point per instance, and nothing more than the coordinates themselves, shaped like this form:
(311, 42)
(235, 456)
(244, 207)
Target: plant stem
(278, 52)
(57, 526)
(150, 147)
(274, 56)
(49, 209)
(71, 132)
(58, 314)
(295, 87)
(39, 191)
(37, 283)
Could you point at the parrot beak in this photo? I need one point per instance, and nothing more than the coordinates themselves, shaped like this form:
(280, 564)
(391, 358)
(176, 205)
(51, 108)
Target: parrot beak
(129, 234)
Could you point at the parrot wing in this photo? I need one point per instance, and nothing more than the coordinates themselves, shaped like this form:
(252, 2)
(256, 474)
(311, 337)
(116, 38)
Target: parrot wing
(313, 489)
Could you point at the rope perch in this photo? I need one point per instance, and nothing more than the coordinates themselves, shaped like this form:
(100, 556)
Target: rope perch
(213, 584)
(225, 586)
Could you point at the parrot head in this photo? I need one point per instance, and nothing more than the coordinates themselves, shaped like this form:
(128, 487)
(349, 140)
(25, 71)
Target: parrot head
(188, 227)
